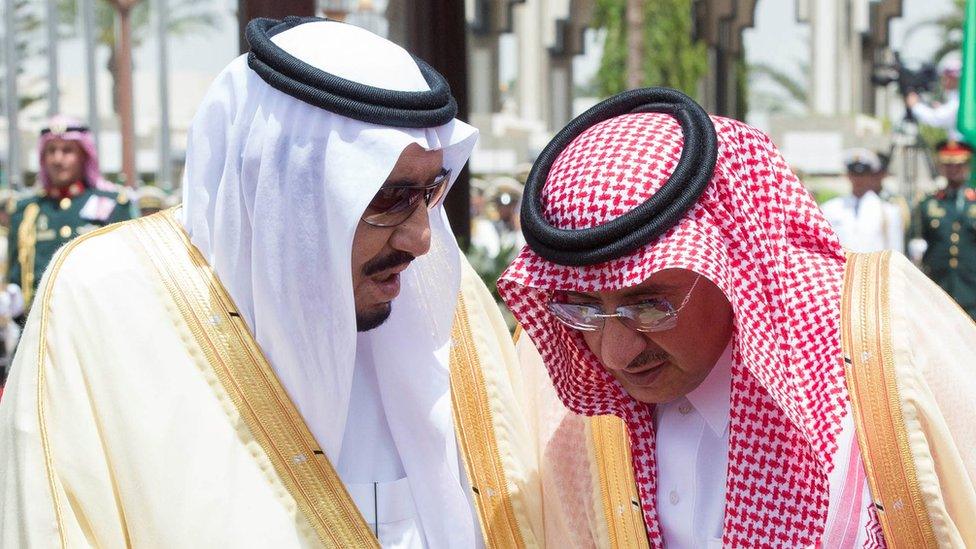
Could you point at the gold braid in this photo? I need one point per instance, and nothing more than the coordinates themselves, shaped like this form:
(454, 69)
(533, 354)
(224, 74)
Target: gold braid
(26, 242)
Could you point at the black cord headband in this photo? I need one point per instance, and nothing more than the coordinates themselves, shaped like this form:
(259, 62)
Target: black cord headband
(64, 129)
(646, 222)
(290, 75)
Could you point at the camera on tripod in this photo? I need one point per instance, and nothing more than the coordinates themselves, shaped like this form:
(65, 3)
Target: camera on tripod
(909, 80)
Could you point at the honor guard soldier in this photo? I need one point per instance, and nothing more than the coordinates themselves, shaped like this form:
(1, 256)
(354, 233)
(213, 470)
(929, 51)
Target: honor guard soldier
(869, 219)
(946, 221)
(73, 199)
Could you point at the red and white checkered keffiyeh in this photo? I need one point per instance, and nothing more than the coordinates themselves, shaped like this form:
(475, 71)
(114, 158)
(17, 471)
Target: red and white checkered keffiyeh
(759, 236)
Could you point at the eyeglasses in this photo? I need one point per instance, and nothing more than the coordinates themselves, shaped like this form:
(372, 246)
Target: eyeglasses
(393, 204)
(652, 315)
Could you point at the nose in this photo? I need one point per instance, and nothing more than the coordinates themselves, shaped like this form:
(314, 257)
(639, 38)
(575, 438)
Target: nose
(619, 345)
(413, 235)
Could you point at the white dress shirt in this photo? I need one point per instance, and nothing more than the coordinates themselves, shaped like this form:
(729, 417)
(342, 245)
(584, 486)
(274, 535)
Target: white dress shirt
(692, 461)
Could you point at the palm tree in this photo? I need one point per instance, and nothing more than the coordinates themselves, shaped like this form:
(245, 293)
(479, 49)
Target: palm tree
(664, 48)
(635, 43)
(133, 16)
(796, 89)
(950, 27)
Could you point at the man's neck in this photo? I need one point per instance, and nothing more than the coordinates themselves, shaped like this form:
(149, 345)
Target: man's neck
(69, 190)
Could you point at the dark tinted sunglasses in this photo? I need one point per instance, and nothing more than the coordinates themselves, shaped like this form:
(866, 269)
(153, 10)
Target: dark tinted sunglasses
(395, 203)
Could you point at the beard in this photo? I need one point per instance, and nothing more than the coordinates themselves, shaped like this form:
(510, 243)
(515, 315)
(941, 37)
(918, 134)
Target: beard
(377, 315)
(373, 318)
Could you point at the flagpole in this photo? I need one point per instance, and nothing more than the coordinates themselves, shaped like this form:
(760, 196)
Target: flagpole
(966, 119)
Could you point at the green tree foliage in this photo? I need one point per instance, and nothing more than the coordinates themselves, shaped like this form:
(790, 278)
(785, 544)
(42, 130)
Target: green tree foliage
(949, 26)
(671, 57)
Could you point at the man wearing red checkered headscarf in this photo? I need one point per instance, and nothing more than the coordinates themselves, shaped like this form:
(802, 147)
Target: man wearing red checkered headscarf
(679, 277)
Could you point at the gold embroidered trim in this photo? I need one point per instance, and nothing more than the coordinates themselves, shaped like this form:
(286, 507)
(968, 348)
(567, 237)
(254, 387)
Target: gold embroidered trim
(476, 436)
(45, 311)
(880, 425)
(618, 489)
(26, 248)
(246, 376)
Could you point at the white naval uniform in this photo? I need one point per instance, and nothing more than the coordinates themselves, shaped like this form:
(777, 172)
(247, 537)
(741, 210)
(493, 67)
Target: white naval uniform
(866, 224)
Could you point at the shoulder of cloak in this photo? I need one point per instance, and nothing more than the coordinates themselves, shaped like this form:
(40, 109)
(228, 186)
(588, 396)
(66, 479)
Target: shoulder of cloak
(910, 369)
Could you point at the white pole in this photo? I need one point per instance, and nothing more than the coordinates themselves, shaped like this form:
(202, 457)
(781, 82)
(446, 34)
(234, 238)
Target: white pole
(88, 34)
(165, 174)
(53, 95)
(15, 179)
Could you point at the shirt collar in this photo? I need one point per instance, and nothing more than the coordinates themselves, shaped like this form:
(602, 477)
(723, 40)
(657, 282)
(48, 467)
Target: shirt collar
(712, 397)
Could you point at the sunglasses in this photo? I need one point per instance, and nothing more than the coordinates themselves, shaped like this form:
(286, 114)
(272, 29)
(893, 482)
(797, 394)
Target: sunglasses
(652, 315)
(395, 203)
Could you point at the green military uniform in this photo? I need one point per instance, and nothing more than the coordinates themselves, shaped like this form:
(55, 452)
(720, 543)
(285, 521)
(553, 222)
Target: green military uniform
(42, 223)
(947, 221)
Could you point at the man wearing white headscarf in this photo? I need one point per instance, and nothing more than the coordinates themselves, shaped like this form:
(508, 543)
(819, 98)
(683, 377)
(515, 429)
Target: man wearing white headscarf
(300, 355)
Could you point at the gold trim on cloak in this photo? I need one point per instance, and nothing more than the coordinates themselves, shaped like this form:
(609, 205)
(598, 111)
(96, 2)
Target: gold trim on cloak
(476, 438)
(247, 377)
(880, 423)
(45, 311)
(618, 488)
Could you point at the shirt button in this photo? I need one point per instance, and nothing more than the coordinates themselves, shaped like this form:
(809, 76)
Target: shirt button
(684, 408)
(65, 231)
(673, 497)
(65, 203)
(954, 237)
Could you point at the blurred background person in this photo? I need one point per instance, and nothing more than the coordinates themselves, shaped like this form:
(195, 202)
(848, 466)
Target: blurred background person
(868, 219)
(945, 221)
(506, 197)
(484, 236)
(73, 199)
(151, 199)
(10, 298)
(941, 114)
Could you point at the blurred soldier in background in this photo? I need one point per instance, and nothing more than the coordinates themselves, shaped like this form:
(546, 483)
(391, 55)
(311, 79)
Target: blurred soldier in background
(506, 193)
(151, 199)
(73, 199)
(869, 219)
(945, 221)
(484, 236)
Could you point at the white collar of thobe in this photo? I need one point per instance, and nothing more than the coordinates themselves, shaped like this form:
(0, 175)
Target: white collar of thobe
(712, 397)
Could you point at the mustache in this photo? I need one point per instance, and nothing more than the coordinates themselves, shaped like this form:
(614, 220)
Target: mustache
(645, 358)
(389, 261)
